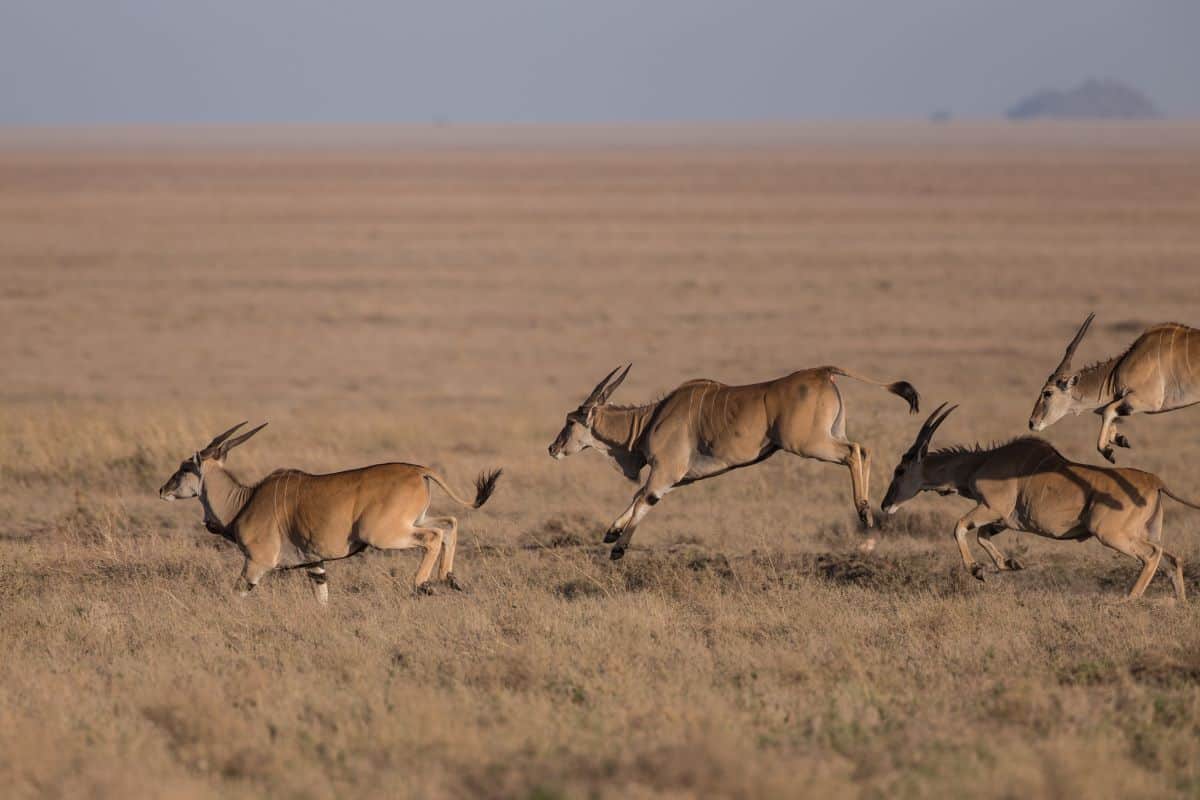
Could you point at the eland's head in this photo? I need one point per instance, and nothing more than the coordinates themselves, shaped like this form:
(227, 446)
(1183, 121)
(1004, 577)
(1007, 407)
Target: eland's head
(908, 479)
(1057, 398)
(188, 480)
(576, 433)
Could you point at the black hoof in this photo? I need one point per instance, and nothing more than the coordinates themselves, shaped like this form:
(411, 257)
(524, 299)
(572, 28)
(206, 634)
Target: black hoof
(453, 583)
(977, 571)
(1108, 453)
(612, 535)
(865, 516)
(424, 588)
(617, 553)
(1120, 441)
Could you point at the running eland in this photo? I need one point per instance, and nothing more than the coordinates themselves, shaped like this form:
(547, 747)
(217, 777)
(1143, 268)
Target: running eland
(704, 428)
(291, 519)
(1154, 375)
(1027, 485)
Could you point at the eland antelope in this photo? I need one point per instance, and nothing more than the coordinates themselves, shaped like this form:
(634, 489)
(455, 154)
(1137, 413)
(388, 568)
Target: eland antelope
(704, 428)
(291, 519)
(1027, 485)
(1154, 375)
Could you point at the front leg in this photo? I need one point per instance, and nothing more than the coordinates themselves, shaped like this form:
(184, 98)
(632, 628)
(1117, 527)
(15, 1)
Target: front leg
(975, 518)
(1103, 442)
(658, 484)
(614, 531)
(252, 573)
(1120, 407)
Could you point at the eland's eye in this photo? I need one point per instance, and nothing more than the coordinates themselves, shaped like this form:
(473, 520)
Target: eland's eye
(1047, 394)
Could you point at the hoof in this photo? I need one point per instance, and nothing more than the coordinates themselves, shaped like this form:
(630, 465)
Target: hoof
(1120, 441)
(453, 583)
(617, 553)
(977, 571)
(865, 516)
(1013, 564)
(1108, 453)
(424, 588)
(612, 535)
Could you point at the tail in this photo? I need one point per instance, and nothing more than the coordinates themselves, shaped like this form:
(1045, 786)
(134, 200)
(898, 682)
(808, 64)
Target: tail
(900, 388)
(485, 485)
(1179, 499)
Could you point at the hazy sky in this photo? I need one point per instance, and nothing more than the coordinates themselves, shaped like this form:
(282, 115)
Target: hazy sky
(87, 61)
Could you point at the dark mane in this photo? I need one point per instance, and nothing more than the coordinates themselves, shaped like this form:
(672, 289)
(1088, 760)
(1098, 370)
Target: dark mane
(965, 449)
(1107, 362)
(633, 406)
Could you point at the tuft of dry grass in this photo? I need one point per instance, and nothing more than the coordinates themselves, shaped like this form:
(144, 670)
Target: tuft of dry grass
(447, 307)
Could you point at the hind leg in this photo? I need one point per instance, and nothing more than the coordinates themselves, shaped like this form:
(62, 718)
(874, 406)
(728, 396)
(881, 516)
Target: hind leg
(849, 455)
(428, 538)
(449, 547)
(1177, 575)
(866, 474)
(1144, 550)
(860, 468)
(1154, 534)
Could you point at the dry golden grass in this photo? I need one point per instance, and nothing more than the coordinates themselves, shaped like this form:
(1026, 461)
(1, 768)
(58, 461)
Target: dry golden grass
(385, 295)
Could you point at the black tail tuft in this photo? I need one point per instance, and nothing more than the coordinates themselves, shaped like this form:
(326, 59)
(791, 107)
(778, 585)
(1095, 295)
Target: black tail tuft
(485, 484)
(908, 392)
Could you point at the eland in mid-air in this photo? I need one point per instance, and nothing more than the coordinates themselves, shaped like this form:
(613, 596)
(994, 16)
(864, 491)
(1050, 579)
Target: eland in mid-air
(704, 428)
(1154, 375)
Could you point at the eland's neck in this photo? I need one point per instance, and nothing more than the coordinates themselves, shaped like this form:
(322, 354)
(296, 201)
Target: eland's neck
(1096, 386)
(618, 432)
(951, 471)
(620, 428)
(222, 496)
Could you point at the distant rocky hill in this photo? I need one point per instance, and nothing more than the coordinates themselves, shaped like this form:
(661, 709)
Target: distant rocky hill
(1092, 99)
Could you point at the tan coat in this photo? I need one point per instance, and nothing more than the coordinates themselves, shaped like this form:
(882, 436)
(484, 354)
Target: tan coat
(1157, 373)
(704, 428)
(1027, 485)
(293, 519)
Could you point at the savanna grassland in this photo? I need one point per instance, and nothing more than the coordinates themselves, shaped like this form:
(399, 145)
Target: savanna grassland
(444, 296)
